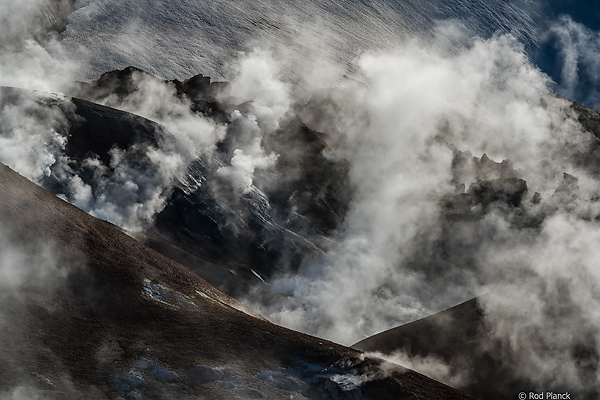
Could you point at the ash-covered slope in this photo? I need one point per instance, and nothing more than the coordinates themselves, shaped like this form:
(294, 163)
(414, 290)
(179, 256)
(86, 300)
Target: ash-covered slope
(87, 311)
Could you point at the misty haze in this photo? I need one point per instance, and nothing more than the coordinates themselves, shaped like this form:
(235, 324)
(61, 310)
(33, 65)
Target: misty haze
(302, 200)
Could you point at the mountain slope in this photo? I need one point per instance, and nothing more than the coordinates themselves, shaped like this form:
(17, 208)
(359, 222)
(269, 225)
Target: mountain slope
(457, 337)
(98, 314)
(467, 339)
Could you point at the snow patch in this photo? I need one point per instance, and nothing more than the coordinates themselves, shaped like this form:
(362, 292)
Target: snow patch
(346, 382)
(128, 381)
(331, 382)
(165, 295)
(154, 291)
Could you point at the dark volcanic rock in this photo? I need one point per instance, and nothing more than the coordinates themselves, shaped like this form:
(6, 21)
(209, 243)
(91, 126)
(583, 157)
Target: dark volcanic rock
(588, 118)
(125, 82)
(111, 318)
(568, 189)
(200, 87)
(466, 168)
(234, 243)
(95, 130)
(459, 338)
(304, 197)
(273, 228)
(509, 191)
(120, 83)
(586, 151)
(495, 185)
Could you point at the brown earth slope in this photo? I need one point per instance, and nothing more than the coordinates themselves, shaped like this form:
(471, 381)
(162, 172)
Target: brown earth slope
(88, 312)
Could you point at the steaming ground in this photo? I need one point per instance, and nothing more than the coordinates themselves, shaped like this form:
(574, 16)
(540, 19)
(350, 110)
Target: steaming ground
(397, 259)
(422, 123)
(89, 312)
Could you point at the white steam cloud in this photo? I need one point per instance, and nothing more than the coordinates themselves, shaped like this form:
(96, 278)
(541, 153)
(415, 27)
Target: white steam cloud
(579, 50)
(240, 172)
(132, 194)
(29, 138)
(429, 366)
(266, 99)
(419, 104)
(400, 128)
(487, 99)
(551, 321)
